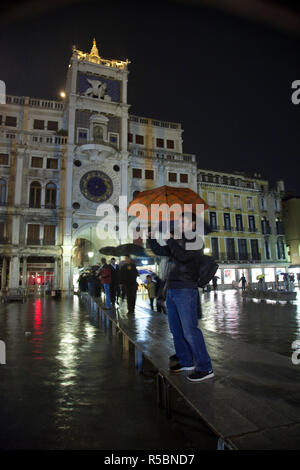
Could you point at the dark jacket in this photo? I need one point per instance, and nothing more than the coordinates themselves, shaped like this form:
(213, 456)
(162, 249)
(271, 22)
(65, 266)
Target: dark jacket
(128, 274)
(115, 275)
(183, 265)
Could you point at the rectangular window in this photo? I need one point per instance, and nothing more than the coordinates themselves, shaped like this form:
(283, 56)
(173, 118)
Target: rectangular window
(215, 248)
(267, 249)
(251, 221)
(280, 249)
(230, 249)
(130, 138)
(11, 121)
(38, 124)
(227, 222)
(33, 234)
(82, 135)
(254, 250)
(184, 178)
(249, 202)
(239, 222)
(2, 231)
(36, 162)
(213, 220)
(237, 202)
(242, 244)
(277, 205)
(160, 143)
(52, 126)
(136, 173)
(3, 159)
(52, 163)
(49, 235)
(211, 198)
(170, 144)
(139, 139)
(173, 177)
(114, 138)
(226, 200)
(149, 174)
(262, 203)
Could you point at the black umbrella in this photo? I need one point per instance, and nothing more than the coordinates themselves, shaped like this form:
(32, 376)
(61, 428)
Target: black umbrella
(108, 250)
(131, 249)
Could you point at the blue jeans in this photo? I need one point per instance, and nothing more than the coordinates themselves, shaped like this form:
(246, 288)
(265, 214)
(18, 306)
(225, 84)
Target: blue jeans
(182, 307)
(107, 295)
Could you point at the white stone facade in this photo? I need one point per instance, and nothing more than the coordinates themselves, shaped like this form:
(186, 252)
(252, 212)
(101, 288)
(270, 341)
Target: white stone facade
(55, 154)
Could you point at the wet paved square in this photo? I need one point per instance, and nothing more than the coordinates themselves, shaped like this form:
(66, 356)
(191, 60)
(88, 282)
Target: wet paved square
(68, 385)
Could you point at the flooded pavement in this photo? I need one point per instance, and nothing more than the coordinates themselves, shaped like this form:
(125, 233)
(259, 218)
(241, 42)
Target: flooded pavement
(65, 385)
(271, 325)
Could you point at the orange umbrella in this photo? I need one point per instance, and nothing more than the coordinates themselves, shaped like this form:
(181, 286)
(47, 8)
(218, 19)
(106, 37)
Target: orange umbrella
(168, 195)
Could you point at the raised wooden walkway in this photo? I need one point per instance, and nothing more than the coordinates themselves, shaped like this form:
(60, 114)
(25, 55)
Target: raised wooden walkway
(252, 403)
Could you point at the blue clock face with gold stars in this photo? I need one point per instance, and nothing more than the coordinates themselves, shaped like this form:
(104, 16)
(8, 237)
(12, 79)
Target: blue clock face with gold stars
(96, 186)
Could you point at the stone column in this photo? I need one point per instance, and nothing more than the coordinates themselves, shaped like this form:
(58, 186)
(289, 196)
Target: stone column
(14, 272)
(3, 274)
(66, 281)
(56, 280)
(24, 272)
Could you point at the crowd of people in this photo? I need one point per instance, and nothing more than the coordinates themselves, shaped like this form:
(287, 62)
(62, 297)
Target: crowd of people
(119, 282)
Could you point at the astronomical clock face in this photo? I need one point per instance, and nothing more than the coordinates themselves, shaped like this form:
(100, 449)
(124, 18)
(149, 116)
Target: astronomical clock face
(96, 186)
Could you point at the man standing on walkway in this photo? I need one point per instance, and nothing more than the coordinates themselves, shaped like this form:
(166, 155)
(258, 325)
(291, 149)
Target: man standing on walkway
(182, 304)
(128, 275)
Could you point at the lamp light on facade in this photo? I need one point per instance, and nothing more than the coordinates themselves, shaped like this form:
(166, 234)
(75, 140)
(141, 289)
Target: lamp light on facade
(62, 94)
(90, 254)
(206, 250)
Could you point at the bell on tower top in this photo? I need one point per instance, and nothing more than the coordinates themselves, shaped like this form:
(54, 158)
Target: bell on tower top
(94, 54)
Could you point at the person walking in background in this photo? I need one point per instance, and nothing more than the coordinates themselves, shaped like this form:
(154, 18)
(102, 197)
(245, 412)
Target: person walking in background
(82, 282)
(115, 282)
(151, 288)
(128, 275)
(243, 280)
(215, 282)
(105, 277)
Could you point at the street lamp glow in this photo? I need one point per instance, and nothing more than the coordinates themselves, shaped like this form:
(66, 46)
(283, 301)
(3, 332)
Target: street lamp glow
(206, 250)
(62, 94)
(90, 254)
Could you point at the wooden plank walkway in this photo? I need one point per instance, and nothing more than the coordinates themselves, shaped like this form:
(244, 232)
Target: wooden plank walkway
(253, 401)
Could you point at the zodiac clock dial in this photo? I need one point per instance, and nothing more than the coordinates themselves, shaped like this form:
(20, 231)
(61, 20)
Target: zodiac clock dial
(96, 186)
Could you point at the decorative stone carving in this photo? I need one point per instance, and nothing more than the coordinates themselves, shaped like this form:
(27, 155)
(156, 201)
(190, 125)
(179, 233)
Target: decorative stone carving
(97, 90)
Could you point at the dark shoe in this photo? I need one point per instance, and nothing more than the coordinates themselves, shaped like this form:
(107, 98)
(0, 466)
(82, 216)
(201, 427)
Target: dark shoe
(198, 376)
(173, 358)
(178, 368)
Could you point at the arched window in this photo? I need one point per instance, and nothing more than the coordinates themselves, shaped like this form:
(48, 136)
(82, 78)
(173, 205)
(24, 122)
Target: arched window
(2, 192)
(50, 199)
(35, 194)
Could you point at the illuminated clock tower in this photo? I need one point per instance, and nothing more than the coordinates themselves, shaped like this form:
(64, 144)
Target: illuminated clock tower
(96, 164)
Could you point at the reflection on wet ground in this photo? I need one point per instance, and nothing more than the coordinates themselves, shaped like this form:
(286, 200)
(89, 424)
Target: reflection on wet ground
(271, 325)
(69, 385)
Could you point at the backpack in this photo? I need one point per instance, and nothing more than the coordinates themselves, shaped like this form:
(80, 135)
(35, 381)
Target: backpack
(207, 269)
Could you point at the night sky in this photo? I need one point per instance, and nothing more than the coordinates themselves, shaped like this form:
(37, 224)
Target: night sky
(226, 78)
